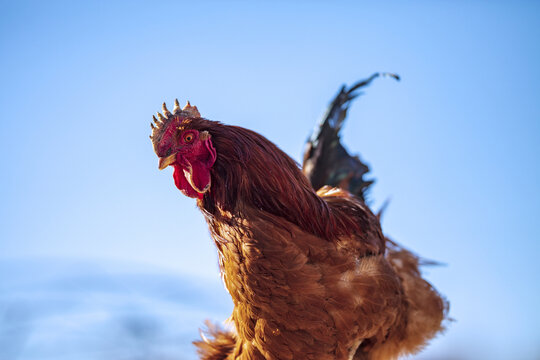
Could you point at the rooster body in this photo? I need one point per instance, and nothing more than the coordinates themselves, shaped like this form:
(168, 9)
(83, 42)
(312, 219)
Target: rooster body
(310, 273)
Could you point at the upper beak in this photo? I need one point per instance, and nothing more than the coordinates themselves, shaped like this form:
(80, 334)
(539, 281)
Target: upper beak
(166, 161)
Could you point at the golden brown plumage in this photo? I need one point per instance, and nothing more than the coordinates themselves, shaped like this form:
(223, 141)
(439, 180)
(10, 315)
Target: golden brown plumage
(309, 273)
(298, 296)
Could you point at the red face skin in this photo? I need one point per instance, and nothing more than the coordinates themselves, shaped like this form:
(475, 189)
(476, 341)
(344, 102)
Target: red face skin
(195, 156)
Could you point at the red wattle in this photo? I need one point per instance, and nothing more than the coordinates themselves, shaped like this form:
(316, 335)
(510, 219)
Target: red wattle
(182, 184)
(200, 175)
(198, 164)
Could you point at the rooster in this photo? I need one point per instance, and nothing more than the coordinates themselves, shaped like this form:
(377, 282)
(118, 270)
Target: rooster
(310, 273)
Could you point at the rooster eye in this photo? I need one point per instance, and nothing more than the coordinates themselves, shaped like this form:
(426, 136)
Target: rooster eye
(188, 138)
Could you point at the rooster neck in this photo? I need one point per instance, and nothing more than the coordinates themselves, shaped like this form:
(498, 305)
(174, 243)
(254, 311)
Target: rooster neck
(252, 172)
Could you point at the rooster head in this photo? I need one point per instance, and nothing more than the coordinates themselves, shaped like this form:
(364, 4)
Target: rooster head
(180, 141)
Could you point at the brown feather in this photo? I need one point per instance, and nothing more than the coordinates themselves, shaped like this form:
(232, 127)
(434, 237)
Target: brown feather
(308, 272)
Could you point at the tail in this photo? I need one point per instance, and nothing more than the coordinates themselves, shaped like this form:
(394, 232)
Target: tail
(217, 344)
(427, 312)
(326, 161)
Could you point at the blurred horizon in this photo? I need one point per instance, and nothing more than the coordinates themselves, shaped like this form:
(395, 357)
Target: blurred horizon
(454, 145)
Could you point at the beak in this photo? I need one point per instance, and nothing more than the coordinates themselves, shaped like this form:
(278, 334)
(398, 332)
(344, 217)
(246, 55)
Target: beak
(164, 162)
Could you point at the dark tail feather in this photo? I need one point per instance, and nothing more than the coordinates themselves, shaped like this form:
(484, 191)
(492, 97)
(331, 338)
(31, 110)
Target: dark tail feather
(382, 209)
(326, 161)
(217, 344)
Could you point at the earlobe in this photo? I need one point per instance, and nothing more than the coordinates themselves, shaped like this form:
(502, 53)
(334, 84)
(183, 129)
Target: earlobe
(209, 147)
(204, 135)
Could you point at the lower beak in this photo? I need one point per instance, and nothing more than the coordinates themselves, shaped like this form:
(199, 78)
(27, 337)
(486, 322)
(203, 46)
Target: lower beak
(166, 161)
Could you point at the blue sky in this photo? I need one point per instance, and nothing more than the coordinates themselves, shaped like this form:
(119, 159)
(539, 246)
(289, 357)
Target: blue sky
(455, 144)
